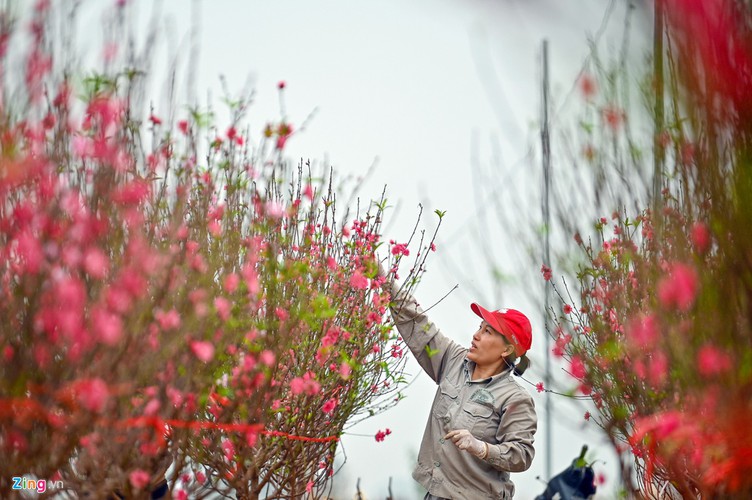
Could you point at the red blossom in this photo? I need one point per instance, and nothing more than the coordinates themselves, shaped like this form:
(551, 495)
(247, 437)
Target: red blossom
(588, 87)
(381, 435)
(93, 394)
(305, 384)
(396, 351)
(139, 479)
(229, 449)
(400, 249)
(223, 307)
(281, 313)
(614, 117)
(96, 263)
(659, 425)
(267, 357)
(284, 132)
(712, 361)
(330, 405)
(107, 325)
(204, 351)
(132, 194)
(169, 320)
(274, 209)
(546, 271)
(577, 367)
(345, 370)
(700, 235)
(358, 281)
(679, 289)
(231, 282)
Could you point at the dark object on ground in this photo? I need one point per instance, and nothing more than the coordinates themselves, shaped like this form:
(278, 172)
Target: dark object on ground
(576, 482)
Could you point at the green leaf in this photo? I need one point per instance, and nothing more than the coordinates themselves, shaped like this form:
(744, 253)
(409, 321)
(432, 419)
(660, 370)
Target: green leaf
(321, 307)
(431, 352)
(381, 206)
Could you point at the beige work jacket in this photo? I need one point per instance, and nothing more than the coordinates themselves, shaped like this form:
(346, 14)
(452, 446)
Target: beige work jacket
(496, 410)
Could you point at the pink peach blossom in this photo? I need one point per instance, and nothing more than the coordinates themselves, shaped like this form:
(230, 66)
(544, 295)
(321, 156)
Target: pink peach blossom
(223, 307)
(139, 479)
(93, 394)
(275, 209)
(231, 282)
(700, 235)
(229, 449)
(642, 331)
(204, 351)
(679, 289)
(107, 325)
(281, 313)
(587, 86)
(267, 357)
(330, 405)
(169, 320)
(152, 407)
(577, 367)
(358, 281)
(546, 271)
(712, 361)
(96, 263)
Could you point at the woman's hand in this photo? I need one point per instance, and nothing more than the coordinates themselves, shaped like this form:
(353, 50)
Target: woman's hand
(467, 442)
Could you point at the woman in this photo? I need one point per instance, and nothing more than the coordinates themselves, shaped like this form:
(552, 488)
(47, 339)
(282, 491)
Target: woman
(482, 422)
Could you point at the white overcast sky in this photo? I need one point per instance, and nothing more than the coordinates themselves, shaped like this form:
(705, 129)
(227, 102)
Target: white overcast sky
(426, 88)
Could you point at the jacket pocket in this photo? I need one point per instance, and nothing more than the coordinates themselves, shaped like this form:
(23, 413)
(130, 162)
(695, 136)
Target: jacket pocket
(446, 398)
(481, 420)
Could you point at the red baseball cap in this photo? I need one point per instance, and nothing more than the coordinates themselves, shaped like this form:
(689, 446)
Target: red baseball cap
(511, 323)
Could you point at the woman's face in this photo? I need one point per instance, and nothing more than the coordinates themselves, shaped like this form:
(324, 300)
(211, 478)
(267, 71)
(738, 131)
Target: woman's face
(488, 346)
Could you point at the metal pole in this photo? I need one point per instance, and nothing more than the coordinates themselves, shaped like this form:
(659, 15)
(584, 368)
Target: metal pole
(546, 147)
(658, 150)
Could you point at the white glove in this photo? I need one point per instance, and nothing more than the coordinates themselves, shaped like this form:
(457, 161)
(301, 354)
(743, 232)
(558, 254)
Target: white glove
(467, 442)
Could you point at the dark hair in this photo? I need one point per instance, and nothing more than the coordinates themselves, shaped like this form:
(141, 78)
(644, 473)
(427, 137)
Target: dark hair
(522, 364)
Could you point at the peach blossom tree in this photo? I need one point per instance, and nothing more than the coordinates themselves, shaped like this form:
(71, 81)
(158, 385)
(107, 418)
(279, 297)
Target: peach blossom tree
(181, 304)
(658, 333)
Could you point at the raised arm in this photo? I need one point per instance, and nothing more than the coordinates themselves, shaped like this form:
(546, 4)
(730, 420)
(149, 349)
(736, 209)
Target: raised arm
(430, 347)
